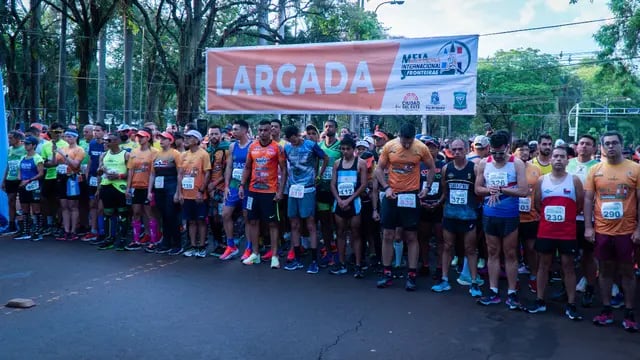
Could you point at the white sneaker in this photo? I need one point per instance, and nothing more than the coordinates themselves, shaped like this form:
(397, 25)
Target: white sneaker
(202, 253)
(252, 259)
(582, 284)
(189, 252)
(275, 263)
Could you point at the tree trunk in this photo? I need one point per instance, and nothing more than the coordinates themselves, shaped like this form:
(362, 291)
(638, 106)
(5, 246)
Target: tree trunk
(128, 68)
(86, 51)
(62, 67)
(153, 90)
(34, 103)
(102, 76)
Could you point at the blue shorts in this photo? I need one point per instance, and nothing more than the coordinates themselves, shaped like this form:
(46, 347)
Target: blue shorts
(302, 208)
(234, 201)
(193, 210)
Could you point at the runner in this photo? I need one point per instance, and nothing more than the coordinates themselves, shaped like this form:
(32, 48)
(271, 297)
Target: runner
(543, 160)
(501, 181)
(580, 166)
(50, 201)
(95, 150)
(11, 180)
(232, 201)
(264, 158)
(218, 153)
(369, 229)
(30, 173)
(331, 147)
(558, 198)
(480, 149)
(402, 156)
(193, 176)
(348, 181)
(613, 187)
(431, 207)
(302, 158)
(84, 201)
(69, 177)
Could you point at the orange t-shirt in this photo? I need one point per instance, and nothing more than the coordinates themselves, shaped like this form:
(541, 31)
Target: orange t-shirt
(528, 211)
(75, 153)
(404, 164)
(194, 166)
(264, 169)
(218, 167)
(615, 188)
(141, 163)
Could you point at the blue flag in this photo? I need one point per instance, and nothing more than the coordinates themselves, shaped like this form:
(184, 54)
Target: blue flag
(4, 151)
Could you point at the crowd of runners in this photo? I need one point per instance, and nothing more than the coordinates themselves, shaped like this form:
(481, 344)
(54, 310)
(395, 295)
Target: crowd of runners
(489, 206)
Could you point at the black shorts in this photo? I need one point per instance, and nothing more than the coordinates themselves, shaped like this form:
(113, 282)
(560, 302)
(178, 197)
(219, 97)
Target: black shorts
(50, 188)
(325, 197)
(11, 186)
(528, 230)
(393, 216)
(456, 226)
(30, 197)
(140, 197)
(582, 242)
(260, 206)
(84, 191)
(112, 198)
(61, 189)
(92, 192)
(499, 226)
(550, 246)
(193, 210)
(431, 216)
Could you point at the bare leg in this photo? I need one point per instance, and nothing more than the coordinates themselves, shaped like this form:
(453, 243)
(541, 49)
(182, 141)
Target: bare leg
(471, 252)
(494, 246)
(569, 275)
(510, 249)
(387, 246)
(543, 274)
(413, 248)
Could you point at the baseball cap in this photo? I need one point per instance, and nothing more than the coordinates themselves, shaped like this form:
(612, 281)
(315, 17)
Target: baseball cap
(369, 139)
(560, 142)
(362, 143)
(195, 133)
(429, 140)
(124, 127)
(167, 135)
(143, 133)
(380, 134)
(31, 140)
(481, 141)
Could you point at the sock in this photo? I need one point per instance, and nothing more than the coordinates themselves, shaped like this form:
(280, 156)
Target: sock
(412, 272)
(231, 242)
(509, 292)
(398, 247)
(153, 230)
(387, 270)
(100, 225)
(495, 290)
(137, 229)
(314, 254)
(465, 268)
(249, 245)
(298, 251)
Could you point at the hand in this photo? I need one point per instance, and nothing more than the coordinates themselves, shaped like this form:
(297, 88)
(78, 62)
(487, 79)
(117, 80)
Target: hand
(344, 204)
(422, 194)
(375, 215)
(176, 198)
(128, 194)
(150, 196)
(241, 192)
(390, 194)
(97, 193)
(199, 197)
(24, 183)
(590, 235)
(635, 237)
(278, 196)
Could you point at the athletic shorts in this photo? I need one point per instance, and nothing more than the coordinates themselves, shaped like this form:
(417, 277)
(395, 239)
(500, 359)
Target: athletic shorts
(353, 210)
(260, 206)
(12, 186)
(112, 198)
(499, 226)
(193, 210)
(456, 226)
(550, 246)
(431, 216)
(49, 188)
(528, 230)
(393, 216)
(61, 189)
(84, 190)
(92, 192)
(582, 242)
(324, 200)
(301, 208)
(30, 197)
(617, 248)
(234, 201)
(140, 197)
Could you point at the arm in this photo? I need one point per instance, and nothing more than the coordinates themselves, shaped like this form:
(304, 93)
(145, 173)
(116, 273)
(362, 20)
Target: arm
(480, 188)
(362, 173)
(379, 175)
(577, 184)
(282, 163)
(443, 185)
(427, 159)
(522, 188)
(333, 186)
(588, 215)
(221, 179)
(246, 174)
(537, 198)
(228, 170)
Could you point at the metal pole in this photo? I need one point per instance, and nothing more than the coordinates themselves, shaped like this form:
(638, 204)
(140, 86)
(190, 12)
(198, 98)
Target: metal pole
(606, 115)
(141, 79)
(575, 136)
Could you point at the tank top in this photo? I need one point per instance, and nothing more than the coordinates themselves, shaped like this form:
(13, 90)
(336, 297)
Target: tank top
(505, 176)
(29, 166)
(95, 151)
(239, 159)
(347, 179)
(435, 192)
(558, 209)
(461, 203)
(115, 163)
(333, 152)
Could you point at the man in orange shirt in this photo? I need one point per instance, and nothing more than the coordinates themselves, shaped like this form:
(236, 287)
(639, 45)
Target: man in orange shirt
(193, 177)
(613, 186)
(402, 156)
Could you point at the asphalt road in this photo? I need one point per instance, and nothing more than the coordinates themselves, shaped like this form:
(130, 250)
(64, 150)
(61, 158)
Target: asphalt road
(131, 305)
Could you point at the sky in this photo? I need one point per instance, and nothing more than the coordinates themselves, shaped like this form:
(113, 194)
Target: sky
(426, 18)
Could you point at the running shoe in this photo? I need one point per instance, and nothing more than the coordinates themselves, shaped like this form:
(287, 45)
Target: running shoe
(555, 276)
(275, 262)
(291, 255)
(99, 241)
(441, 287)
(617, 301)
(629, 322)
(410, 284)
(475, 291)
(201, 252)
(73, 237)
(36, 237)
(151, 248)
(267, 256)
(533, 286)
(560, 295)
(523, 270)
(144, 239)
(89, 237)
(218, 251)
(106, 246)
(229, 253)
(385, 280)
(604, 318)
(338, 269)
(162, 250)
(190, 252)
(63, 237)
(512, 302)
(133, 246)
(571, 312)
(47, 231)
(313, 268)
(587, 298)
(538, 306)
(245, 254)
(465, 280)
(325, 258)
(293, 265)
(492, 299)
(11, 230)
(252, 259)
(358, 272)
(481, 263)
(120, 248)
(24, 236)
(175, 251)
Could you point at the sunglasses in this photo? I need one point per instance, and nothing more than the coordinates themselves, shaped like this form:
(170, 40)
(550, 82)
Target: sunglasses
(345, 149)
(57, 131)
(500, 153)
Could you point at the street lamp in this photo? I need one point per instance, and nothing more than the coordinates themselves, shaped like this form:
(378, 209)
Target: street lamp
(391, 2)
(573, 131)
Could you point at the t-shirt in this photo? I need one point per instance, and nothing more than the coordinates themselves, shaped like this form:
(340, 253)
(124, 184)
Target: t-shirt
(218, 158)
(47, 154)
(95, 151)
(13, 161)
(528, 212)
(84, 144)
(545, 169)
(264, 169)
(333, 152)
(581, 170)
(166, 163)
(195, 166)
(140, 163)
(75, 153)
(301, 162)
(29, 166)
(404, 164)
(615, 188)
(129, 146)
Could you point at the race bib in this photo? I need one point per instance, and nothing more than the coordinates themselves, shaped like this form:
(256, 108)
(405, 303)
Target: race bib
(407, 200)
(34, 185)
(236, 174)
(328, 173)
(61, 169)
(249, 203)
(554, 214)
(83, 168)
(158, 183)
(524, 204)
(497, 179)
(93, 181)
(345, 189)
(458, 197)
(296, 191)
(612, 210)
(188, 182)
(435, 187)
(13, 166)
